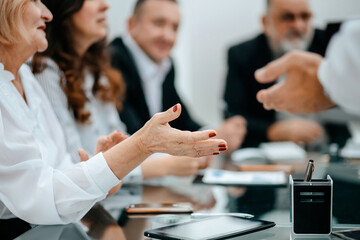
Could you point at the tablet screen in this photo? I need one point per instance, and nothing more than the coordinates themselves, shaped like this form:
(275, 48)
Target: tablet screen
(210, 228)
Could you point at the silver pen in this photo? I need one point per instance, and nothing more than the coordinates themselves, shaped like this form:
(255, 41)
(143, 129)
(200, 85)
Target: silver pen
(309, 171)
(206, 215)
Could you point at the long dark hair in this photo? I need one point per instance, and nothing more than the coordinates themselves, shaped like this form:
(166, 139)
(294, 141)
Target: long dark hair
(96, 59)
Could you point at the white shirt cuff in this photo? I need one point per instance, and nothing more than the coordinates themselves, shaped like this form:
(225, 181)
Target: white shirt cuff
(101, 173)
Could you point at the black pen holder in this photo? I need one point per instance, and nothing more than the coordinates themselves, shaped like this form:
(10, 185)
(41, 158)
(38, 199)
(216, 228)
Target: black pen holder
(311, 206)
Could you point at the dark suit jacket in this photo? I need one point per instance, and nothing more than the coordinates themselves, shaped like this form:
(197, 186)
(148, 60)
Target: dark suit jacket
(241, 87)
(136, 112)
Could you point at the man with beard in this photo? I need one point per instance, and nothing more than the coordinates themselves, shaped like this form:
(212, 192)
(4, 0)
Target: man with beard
(287, 26)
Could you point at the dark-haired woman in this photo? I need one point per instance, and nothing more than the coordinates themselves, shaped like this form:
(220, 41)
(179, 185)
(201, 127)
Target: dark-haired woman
(84, 90)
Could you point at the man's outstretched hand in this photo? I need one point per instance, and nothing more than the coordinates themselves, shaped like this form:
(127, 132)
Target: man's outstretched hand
(301, 92)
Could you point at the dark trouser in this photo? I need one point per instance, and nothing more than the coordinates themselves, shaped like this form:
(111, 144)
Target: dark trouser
(12, 228)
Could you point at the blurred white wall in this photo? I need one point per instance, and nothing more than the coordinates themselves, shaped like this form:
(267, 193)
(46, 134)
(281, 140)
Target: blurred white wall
(208, 29)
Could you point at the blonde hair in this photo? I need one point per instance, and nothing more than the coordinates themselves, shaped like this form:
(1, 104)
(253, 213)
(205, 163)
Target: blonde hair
(12, 27)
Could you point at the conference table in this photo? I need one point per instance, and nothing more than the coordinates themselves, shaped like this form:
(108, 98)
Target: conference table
(108, 219)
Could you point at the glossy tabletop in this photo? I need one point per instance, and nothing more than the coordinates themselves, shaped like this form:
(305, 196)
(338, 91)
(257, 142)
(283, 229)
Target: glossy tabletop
(108, 220)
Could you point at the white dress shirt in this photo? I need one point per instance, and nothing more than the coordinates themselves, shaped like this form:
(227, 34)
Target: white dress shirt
(339, 73)
(39, 183)
(104, 117)
(152, 75)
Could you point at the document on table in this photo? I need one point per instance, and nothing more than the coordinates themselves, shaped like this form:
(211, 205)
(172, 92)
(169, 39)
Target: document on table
(213, 176)
(283, 152)
(272, 152)
(351, 150)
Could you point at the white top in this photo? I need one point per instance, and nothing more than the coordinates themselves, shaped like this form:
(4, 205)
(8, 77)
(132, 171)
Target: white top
(38, 181)
(152, 75)
(104, 117)
(339, 73)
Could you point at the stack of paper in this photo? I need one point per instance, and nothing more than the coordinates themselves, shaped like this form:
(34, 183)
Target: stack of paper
(213, 176)
(283, 152)
(351, 150)
(273, 152)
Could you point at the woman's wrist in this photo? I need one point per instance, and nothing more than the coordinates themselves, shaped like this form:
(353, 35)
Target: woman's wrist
(125, 156)
(141, 143)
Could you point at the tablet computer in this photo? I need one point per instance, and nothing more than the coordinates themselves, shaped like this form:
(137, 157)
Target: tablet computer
(210, 228)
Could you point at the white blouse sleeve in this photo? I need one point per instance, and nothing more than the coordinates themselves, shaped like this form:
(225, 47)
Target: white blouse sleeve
(339, 73)
(38, 181)
(39, 194)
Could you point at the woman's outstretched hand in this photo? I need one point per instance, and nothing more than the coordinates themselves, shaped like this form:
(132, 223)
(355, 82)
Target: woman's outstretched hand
(158, 136)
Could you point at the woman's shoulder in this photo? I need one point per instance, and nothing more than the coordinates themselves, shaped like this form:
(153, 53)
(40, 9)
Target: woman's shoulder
(47, 65)
(50, 72)
(29, 78)
(50, 65)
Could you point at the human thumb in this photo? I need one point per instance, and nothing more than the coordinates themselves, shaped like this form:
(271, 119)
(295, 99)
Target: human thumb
(170, 115)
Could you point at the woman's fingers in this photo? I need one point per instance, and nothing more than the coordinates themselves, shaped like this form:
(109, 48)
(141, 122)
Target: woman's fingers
(123, 137)
(195, 144)
(158, 136)
(117, 137)
(192, 137)
(103, 144)
(218, 145)
(83, 155)
(204, 148)
(168, 116)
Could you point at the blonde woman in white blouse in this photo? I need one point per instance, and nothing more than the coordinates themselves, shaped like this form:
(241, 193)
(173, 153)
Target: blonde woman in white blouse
(59, 77)
(38, 181)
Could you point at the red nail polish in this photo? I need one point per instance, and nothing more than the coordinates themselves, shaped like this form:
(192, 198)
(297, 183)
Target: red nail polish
(212, 134)
(222, 149)
(175, 108)
(222, 145)
(216, 153)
